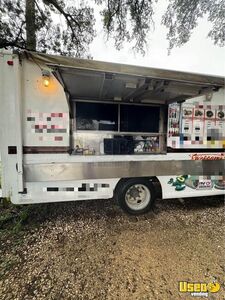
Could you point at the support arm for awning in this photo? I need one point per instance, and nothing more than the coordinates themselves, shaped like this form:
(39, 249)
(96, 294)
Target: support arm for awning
(89, 80)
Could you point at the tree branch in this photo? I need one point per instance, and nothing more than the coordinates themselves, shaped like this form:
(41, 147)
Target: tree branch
(20, 32)
(40, 11)
(59, 8)
(5, 44)
(67, 17)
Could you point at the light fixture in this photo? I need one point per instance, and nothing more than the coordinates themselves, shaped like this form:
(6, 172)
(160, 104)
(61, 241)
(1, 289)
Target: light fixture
(117, 98)
(208, 96)
(130, 85)
(46, 77)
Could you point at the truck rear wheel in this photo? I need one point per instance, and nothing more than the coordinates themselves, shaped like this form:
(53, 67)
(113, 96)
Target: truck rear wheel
(136, 195)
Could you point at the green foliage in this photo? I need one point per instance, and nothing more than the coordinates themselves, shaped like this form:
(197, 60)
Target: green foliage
(13, 217)
(70, 35)
(128, 21)
(182, 17)
(6, 202)
(0, 175)
(67, 27)
(17, 218)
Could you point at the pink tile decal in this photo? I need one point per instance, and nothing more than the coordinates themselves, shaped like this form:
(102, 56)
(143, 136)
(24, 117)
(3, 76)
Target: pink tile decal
(50, 123)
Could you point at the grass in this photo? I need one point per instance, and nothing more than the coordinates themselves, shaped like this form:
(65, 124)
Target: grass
(0, 174)
(19, 218)
(13, 217)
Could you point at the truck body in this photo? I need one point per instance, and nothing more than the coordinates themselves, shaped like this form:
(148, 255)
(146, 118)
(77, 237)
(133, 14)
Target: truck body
(73, 129)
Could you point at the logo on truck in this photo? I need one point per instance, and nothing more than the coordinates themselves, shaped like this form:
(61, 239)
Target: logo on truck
(208, 156)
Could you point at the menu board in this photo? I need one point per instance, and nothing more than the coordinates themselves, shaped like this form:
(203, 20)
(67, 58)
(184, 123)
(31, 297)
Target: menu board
(173, 120)
(198, 125)
(220, 118)
(187, 115)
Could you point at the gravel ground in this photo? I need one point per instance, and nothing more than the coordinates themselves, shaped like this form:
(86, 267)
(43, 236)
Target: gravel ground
(92, 250)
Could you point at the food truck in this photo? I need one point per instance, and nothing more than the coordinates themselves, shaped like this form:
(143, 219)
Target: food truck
(76, 129)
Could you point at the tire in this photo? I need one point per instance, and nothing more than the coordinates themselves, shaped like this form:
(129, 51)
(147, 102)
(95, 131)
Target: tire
(136, 195)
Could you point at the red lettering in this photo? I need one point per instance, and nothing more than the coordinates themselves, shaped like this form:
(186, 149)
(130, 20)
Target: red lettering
(207, 157)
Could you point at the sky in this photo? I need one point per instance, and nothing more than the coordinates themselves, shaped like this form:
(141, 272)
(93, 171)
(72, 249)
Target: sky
(199, 55)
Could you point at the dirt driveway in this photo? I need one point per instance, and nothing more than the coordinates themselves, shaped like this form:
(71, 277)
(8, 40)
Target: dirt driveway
(92, 250)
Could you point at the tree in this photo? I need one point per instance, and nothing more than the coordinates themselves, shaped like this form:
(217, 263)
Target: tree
(182, 17)
(64, 27)
(30, 25)
(36, 25)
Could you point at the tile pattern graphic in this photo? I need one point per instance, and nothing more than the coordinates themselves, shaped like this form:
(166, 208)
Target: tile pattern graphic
(43, 123)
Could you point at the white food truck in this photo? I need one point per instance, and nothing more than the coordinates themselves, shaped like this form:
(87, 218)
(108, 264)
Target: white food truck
(75, 129)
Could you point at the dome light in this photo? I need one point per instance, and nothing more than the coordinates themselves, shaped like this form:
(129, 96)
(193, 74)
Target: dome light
(46, 77)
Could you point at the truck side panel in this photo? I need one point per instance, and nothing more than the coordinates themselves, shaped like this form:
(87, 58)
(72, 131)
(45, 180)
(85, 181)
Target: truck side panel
(191, 186)
(45, 109)
(8, 125)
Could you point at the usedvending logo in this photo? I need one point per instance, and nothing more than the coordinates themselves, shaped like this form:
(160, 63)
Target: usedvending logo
(198, 289)
(208, 156)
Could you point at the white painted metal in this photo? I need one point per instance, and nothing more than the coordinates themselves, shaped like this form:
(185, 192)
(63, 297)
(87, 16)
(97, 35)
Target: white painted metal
(39, 103)
(19, 122)
(37, 192)
(23, 96)
(169, 191)
(8, 134)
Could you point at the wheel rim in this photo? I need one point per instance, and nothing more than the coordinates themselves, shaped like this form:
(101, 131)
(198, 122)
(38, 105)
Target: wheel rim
(137, 197)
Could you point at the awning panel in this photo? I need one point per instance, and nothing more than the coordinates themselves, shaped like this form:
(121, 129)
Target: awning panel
(103, 81)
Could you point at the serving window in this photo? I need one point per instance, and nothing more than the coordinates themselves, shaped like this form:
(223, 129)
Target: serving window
(96, 116)
(135, 118)
(105, 128)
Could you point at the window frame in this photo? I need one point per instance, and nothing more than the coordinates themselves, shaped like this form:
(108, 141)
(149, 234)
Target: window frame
(89, 130)
(160, 132)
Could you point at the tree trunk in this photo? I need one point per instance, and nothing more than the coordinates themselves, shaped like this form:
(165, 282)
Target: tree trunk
(30, 25)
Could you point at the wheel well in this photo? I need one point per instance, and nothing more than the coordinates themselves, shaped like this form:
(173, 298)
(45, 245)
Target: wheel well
(154, 180)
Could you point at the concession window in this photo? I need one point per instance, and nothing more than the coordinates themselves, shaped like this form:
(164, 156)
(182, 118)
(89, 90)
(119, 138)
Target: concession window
(134, 118)
(117, 104)
(119, 128)
(96, 116)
